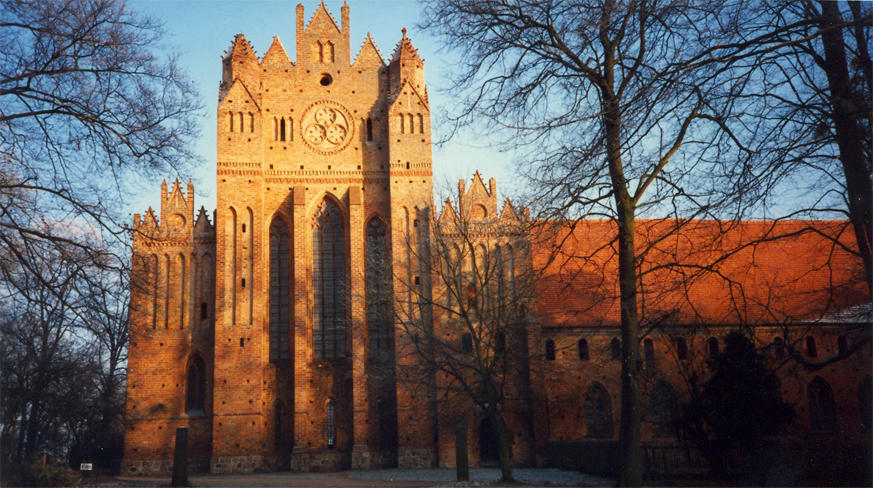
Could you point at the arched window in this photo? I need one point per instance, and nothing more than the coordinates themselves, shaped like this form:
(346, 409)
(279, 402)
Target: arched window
(550, 350)
(328, 51)
(810, 347)
(420, 124)
(411, 124)
(378, 288)
(500, 343)
(182, 294)
(369, 129)
(275, 129)
(649, 350)
(681, 349)
(822, 409)
(328, 282)
(242, 127)
(615, 348)
(402, 120)
(167, 293)
(331, 425)
(282, 129)
(865, 395)
(251, 122)
(195, 389)
(598, 413)
(467, 342)
(280, 293)
(713, 347)
(155, 284)
(230, 121)
(583, 349)
(664, 409)
(779, 347)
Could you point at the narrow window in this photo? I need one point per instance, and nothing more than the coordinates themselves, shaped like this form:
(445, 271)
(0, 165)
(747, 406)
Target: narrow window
(420, 124)
(369, 129)
(280, 293)
(195, 393)
(328, 52)
(155, 285)
(320, 52)
(583, 349)
(282, 129)
(467, 343)
(167, 291)
(779, 347)
(598, 412)
(182, 291)
(615, 348)
(810, 347)
(331, 425)
(822, 409)
(251, 122)
(204, 311)
(402, 123)
(328, 281)
(277, 425)
(242, 127)
(681, 349)
(649, 350)
(230, 120)
(411, 124)
(378, 288)
(550, 350)
(713, 347)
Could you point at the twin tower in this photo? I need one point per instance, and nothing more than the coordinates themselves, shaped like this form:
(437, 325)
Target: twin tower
(266, 330)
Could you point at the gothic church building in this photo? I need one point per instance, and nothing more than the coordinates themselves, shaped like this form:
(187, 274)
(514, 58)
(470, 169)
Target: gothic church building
(265, 328)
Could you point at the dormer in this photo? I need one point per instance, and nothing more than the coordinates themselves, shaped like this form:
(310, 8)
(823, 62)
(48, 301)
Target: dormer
(322, 44)
(407, 66)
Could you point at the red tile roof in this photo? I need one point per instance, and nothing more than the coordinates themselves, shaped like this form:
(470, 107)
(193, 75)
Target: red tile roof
(704, 272)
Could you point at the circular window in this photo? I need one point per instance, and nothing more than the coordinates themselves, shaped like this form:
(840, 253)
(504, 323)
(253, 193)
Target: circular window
(326, 79)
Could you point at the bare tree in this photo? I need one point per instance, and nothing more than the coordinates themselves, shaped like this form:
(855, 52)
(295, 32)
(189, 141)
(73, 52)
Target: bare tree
(628, 109)
(86, 102)
(476, 347)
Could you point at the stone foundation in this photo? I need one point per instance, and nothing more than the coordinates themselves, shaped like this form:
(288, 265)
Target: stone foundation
(320, 461)
(415, 458)
(148, 467)
(242, 464)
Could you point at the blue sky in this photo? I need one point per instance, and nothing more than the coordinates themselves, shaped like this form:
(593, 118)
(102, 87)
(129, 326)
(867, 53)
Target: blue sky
(200, 31)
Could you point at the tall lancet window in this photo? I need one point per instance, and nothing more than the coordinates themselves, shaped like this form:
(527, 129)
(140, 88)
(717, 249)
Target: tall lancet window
(280, 319)
(378, 289)
(328, 282)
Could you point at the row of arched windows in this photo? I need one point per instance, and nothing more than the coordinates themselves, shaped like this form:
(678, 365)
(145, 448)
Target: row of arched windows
(330, 287)
(410, 123)
(236, 121)
(283, 129)
(323, 51)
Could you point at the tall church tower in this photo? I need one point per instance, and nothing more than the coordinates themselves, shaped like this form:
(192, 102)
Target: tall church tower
(324, 193)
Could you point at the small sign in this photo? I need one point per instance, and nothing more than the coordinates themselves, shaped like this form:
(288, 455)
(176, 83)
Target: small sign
(85, 467)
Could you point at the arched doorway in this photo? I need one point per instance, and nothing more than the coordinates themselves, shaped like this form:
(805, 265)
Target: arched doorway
(488, 450)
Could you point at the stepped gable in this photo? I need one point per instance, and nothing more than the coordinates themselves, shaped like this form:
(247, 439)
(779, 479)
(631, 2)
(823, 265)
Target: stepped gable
(323, 21)
(276, 57)
(733, 273)
(405, 51)
(368, 56)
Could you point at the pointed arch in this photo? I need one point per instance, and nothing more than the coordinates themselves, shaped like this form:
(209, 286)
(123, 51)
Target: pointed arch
(167, 292)
(242, 127)
(280, 291)
(411, 123)
(251, 265)
(330, 301)
(182, 294)
(155, 282)
(282, 129)
(230, 235)
(598, 412)
(420, 124)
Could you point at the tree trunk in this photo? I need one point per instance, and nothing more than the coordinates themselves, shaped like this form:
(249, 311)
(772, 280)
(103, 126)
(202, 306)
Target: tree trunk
(496, 420)
(631, 468)
(845, 111)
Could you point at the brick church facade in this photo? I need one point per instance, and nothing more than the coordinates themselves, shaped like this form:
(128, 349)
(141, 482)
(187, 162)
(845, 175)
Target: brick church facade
(257, 326)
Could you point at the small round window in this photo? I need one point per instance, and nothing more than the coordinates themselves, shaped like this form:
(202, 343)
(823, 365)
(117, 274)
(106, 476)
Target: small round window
(326, 79)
